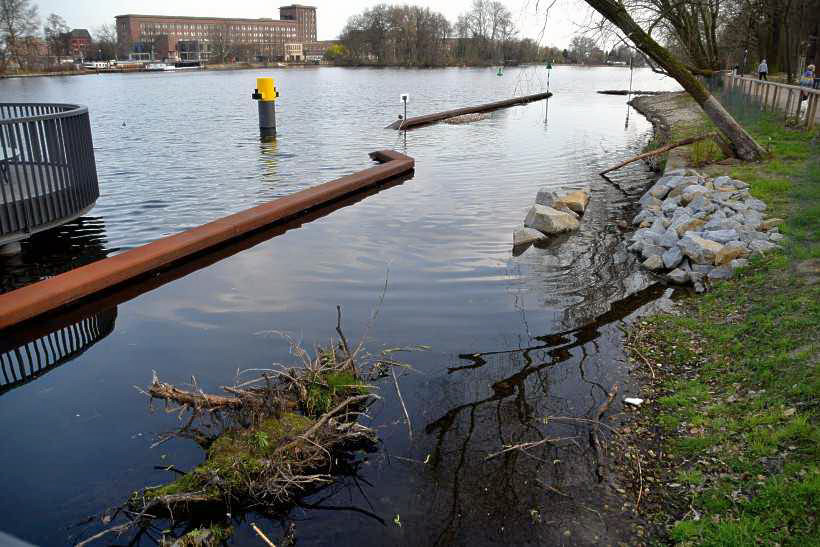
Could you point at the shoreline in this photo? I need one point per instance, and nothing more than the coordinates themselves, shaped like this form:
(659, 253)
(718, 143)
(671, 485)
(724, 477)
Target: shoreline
(725, 439)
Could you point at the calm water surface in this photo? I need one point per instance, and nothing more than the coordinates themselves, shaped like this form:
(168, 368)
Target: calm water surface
(514, 338)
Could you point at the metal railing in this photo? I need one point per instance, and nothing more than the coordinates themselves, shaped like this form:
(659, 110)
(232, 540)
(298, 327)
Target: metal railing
(48, 175)
(777, 96)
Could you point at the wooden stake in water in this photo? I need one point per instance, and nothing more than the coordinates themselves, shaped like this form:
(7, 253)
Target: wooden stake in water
(630, 74)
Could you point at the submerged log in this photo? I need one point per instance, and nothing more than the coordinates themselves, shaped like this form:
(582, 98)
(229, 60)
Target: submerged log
(428, 119)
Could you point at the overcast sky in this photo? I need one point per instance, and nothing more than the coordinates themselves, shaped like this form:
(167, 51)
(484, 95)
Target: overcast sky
(331, 14)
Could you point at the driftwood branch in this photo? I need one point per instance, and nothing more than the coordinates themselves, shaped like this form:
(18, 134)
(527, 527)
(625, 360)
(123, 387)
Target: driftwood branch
(199, 400)
(660, 150)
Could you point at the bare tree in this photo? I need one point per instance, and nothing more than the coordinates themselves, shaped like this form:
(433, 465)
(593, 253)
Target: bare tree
(105, 41)
(743, 144)
(56, 32)
(19, 22)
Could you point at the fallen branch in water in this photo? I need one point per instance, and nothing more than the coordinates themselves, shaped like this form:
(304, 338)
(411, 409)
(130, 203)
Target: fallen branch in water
(403, 407)
(262, 535)
(593, 434)
(660, 150)
(526, 446)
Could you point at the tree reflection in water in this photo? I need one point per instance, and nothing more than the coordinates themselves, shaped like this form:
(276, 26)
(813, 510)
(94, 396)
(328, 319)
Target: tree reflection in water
(538, 494)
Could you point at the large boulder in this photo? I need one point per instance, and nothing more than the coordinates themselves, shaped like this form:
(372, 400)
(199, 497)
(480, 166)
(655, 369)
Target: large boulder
(576, 201)
(526, 236)
(698, 249)
(550, 221)
(549, 198)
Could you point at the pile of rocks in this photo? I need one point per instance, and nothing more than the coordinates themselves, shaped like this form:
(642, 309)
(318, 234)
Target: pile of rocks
(700, 229)
(553, 213)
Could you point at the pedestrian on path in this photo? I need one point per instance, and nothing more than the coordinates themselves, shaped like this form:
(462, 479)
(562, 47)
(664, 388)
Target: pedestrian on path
(763, 70)
(807, 81)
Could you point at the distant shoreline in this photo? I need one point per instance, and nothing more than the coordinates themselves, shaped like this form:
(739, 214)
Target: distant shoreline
(226, 68)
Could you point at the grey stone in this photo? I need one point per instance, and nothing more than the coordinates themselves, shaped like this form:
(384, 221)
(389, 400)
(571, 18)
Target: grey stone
(672, 258)
(698, 249)
(723, 181)
(650, 250)
(670, 204)
(702, 204)
(669, 238)
(660, 188)
(776, 236)
(636, 247)
(525, 236)
(722, 272)
(721, 236)
(762, 247)
(692, 192)
(639, 234)
(685, 266)
(640, 217)
(549, 198)
(753, 219)
(550, 221)
(756, 204)
(679, 276)
(653, 263)
(658, 227)
(702, 268)
(738, 263)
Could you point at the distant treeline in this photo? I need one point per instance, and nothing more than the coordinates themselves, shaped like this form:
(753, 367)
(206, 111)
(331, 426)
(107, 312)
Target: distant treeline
(419, 37)
(415, 36)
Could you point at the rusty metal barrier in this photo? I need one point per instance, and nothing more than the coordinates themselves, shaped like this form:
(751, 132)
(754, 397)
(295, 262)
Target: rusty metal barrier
(69, 288)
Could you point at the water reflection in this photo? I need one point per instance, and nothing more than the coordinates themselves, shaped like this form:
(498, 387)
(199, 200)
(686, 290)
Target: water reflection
(52, 252)
(521, 396)
(28, 354)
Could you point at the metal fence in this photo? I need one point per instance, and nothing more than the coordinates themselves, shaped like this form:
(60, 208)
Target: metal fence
(777, 97)
(48, 175)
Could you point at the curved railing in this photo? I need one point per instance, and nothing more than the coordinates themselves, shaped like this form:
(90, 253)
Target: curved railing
(48, 175)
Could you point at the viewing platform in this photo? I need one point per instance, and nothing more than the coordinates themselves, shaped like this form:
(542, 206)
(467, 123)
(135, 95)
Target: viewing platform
(48, 175)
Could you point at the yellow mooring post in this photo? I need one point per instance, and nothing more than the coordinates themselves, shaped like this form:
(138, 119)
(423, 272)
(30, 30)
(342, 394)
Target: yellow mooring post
(265, 94)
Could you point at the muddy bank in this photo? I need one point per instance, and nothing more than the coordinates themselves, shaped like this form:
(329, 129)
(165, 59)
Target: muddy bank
(670, 113)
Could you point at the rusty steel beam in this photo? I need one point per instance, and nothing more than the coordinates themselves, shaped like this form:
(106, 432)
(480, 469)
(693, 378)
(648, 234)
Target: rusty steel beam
(70, 287)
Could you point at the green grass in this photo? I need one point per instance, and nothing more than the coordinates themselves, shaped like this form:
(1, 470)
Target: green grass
(740, 403)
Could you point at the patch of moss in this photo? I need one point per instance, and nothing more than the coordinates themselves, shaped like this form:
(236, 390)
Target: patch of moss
(236, 457)
(202, 537)
(323, 394)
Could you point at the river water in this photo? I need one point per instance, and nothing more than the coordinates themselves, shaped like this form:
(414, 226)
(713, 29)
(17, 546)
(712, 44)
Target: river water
(513, 339)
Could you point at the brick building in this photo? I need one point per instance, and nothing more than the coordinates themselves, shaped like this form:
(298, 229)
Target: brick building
(305, 19)
(150, 37)
(78, 41)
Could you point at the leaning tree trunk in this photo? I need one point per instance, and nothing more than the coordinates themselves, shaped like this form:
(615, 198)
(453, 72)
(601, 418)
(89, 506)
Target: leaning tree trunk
(742, 143)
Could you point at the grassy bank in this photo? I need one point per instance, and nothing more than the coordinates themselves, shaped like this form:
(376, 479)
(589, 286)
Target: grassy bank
(734, 402)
